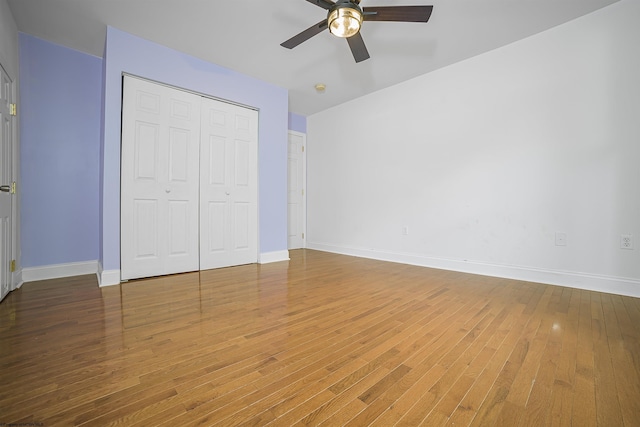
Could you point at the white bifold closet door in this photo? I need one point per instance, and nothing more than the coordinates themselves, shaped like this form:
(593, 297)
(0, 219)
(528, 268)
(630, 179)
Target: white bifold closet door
(188, 182)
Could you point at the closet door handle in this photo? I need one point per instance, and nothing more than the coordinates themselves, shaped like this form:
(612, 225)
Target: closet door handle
(7, 188)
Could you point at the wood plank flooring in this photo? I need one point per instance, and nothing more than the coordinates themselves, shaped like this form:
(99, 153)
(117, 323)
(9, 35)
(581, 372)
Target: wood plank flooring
(323, 340)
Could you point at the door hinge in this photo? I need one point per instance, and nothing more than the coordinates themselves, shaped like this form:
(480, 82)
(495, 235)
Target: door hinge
(13, 187)
(302, 192)
(13, 110)
(303, 235)
(13, 265)
(303, 148)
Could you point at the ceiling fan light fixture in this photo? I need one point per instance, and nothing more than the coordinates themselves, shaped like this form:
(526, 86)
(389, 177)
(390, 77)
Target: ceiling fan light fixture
(345, 21)
(345, 17)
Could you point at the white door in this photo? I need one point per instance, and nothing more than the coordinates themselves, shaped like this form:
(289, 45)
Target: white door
(296, 194)
(159, 180)
(228, 185)
(6, 160)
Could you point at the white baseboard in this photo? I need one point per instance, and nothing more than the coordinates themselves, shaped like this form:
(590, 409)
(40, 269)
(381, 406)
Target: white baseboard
(56, 271)
(107, 277)
(276, 256)
(591, 282)
(17, 280)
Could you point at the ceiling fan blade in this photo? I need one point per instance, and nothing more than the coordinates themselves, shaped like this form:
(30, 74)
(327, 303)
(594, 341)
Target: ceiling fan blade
(397, 13)
(358, 48)
(305, 35)
(325, 4)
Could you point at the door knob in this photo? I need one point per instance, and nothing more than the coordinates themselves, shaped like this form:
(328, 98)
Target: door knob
(168, 190)
(7, 188)
(227, 193)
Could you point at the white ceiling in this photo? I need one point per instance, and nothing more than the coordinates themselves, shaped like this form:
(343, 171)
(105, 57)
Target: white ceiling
(245, 36)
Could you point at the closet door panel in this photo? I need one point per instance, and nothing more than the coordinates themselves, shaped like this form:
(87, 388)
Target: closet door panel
(229, 185)
(159, 180)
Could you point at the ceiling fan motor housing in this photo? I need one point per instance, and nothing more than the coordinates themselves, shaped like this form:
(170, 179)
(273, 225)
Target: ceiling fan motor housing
(345, 18)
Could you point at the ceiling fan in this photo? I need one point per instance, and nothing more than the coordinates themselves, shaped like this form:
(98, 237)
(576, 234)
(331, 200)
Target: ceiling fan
(345, 17)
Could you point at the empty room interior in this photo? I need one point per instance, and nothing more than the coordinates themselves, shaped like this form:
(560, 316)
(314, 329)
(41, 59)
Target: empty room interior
(221, 213)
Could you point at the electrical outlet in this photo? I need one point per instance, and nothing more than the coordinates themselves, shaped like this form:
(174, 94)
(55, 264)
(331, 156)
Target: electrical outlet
(626, 241)
(561, 239)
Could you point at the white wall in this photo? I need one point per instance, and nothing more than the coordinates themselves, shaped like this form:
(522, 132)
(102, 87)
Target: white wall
(485, 160)
(8, 41)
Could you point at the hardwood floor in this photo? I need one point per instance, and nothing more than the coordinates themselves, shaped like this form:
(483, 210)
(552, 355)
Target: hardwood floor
(324, 340)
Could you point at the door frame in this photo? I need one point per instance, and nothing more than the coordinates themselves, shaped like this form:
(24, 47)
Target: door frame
(304, 184)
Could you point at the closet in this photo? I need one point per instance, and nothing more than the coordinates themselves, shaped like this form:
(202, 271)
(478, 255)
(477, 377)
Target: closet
(189, 181)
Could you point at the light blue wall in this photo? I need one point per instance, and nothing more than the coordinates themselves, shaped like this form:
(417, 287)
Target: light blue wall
(130, 54)
(60, 101)
(70, 176)
(297, 123)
